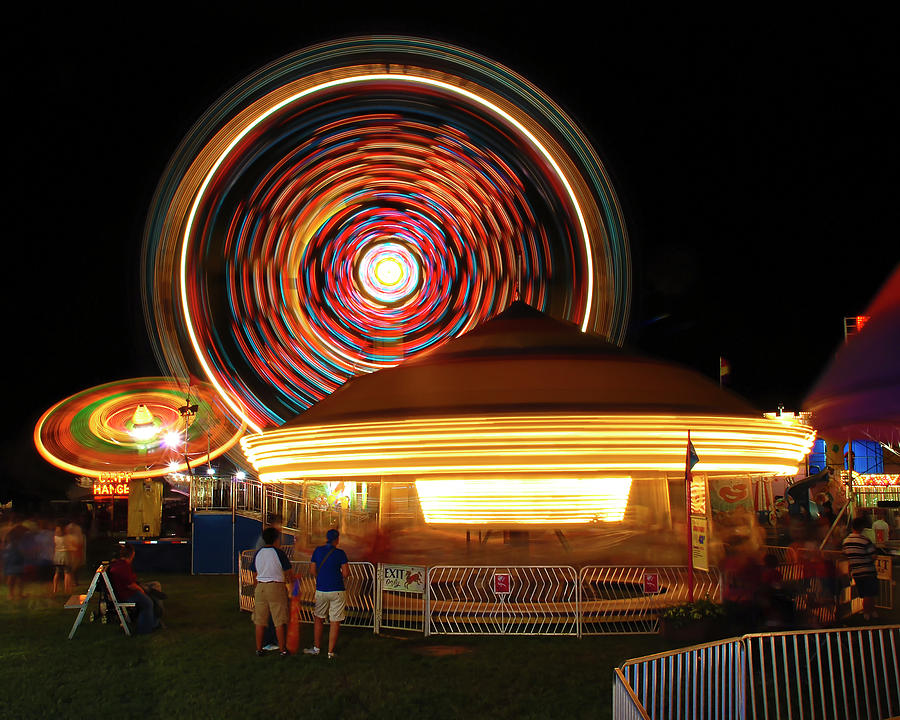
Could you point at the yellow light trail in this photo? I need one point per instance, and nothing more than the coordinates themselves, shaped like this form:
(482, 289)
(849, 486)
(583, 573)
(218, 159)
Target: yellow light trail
(545, 444)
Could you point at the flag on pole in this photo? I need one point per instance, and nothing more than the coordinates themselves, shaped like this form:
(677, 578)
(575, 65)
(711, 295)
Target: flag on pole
(690, 460)
(692, 457)
(724, 369)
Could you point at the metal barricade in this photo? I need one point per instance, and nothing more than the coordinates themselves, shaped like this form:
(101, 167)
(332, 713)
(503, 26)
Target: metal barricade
(400, 605)
(626, 705)
(248, 497)
(245, 580)
(502, 600)
(811, 675)
(704, 681)
(832, 597)
(622, 600)
(360, 589)
(824, 673)
(360, 593)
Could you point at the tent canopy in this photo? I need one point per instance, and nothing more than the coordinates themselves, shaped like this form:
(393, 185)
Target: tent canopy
(858, 395)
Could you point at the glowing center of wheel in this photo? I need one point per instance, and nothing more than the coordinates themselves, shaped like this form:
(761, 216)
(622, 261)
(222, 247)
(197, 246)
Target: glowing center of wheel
(388, 272)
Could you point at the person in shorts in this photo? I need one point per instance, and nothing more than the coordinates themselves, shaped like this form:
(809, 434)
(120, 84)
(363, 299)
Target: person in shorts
(329, 567)
(271, 570)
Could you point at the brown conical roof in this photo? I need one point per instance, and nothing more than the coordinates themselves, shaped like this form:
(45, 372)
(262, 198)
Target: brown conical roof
(523, 360)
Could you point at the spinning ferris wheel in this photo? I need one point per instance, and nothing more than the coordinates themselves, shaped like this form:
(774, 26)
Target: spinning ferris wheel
(361, 202)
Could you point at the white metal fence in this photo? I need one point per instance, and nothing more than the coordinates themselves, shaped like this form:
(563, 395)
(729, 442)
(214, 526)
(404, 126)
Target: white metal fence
(847, 673)
(510, 600)
(628, 600)
(502, 600)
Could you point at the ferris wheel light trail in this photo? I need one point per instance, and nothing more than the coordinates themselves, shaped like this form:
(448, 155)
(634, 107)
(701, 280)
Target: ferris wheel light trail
(330, 218)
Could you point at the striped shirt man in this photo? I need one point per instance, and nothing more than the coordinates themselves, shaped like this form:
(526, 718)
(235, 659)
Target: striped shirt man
(860, 554)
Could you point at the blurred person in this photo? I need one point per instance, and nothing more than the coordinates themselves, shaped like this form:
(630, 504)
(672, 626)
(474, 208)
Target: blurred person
(44, 548)
(881, 529)
(860, 554)
(128, 589)
(271, 569)
(74, 541)
(329, 568)
(60, 560)
(14, 559)
(867, 528)
(776, 603)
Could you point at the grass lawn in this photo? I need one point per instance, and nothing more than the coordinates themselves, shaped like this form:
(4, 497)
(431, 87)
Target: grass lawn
(203, 666)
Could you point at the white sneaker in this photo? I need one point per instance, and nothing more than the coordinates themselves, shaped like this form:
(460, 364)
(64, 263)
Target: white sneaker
(270, 647)
(331, 656)
(311, 651)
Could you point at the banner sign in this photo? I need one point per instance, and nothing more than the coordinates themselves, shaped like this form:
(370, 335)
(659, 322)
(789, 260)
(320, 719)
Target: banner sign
(700, 542)
(106, 490)
(698, 495)
(651, 583)
(403, 578)
(726, 495)
(883, 567)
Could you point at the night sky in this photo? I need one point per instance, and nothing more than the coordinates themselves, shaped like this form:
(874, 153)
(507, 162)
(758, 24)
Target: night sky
(756, 161)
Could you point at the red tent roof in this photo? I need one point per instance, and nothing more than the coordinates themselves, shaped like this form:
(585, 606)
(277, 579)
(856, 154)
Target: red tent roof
(858, 395)
(524, 361)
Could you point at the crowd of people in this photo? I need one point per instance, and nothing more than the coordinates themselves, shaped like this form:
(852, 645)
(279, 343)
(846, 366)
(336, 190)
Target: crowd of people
(799, 585)
(41, 550)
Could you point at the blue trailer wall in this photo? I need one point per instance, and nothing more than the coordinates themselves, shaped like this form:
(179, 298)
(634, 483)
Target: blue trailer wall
(212, 543)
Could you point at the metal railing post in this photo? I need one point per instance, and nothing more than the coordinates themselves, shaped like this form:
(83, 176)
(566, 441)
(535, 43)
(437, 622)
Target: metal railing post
(379, 599)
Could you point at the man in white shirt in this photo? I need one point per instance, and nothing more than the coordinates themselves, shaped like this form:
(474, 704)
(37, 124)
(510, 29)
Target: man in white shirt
(271, 570)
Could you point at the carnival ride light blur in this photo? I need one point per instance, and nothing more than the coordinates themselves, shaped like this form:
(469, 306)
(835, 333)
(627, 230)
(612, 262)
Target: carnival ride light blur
(527, 470)
(558, 445)
(135, 426)
(362, 201)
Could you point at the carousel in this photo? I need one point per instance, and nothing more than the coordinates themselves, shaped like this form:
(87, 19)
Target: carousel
(525, 426)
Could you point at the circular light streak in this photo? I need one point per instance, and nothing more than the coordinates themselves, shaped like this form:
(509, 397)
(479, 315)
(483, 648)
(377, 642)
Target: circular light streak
(361, 202)
(135, 426)
(388, 273)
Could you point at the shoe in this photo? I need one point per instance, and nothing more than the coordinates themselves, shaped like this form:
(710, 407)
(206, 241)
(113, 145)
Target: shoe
(284, 653)
(270, 647)
(260, 653)
(311, 651)
(331, 656)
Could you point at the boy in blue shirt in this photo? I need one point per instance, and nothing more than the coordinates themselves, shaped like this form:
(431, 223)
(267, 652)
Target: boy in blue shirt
(329, 568)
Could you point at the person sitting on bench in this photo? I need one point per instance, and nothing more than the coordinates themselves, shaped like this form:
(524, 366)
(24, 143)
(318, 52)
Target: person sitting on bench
(125, 585)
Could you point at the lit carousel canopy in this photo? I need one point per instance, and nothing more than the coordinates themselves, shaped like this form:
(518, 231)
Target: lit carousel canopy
(144, 427)
(526, 406)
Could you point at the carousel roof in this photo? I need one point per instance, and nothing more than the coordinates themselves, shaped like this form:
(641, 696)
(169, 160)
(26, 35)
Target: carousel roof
(527, 395)
(523, 360)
